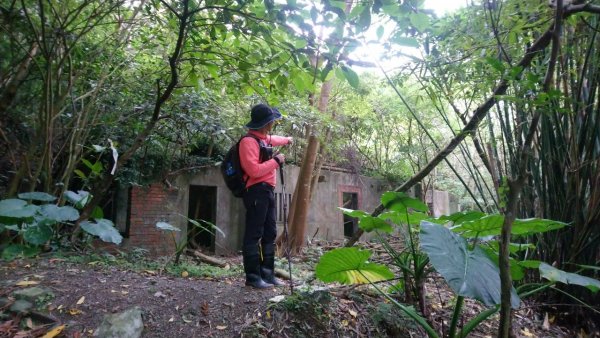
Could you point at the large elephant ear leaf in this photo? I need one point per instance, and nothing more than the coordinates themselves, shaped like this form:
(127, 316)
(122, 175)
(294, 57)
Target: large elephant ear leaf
(399, 201)
(555, 275)
(350, 266)
(104, 229)
(470, 273)
(367, 222)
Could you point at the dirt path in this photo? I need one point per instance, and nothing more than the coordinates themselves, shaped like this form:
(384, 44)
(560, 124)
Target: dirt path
(183, 307)
(208, 307)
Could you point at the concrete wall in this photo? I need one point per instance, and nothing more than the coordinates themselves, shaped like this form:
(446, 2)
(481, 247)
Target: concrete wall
(324, 214)
(157, 203)
(441, 202)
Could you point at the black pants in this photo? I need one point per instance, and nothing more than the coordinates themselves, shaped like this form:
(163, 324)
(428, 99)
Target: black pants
(259, 201)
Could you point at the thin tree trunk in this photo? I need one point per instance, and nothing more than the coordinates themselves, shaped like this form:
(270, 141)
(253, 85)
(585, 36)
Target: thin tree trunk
(515, 187)
(302, 198)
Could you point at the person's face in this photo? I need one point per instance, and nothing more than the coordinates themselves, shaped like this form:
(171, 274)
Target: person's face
(269, 126)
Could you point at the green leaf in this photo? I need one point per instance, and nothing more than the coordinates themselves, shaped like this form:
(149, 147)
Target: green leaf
(398, 217)
(490, 225)
(37, 234)
(531, 226)
(37, 196)
(350, 266)
(379, 32)
(354, 213)
(399, 201)
(555, 275)
(462, 217)
(87, 163)
(19, 250)
(351, 76)
(167, 226)
(367, 222)
(80, 174)
(364, 21)
(79, 199)
(469, 273)
(59, 214)
(104, 229)
(97, 213)
(213, 70)
(530, 264)
(495, 63)
(370, 223)
(420, 21)
(299, 83)
(98, 148)
(517, 272)
(15, 208)
(97, 167)
(405, 41)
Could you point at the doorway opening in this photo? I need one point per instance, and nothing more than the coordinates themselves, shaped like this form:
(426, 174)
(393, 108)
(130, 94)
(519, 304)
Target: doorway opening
(203, 210)
(350, 201)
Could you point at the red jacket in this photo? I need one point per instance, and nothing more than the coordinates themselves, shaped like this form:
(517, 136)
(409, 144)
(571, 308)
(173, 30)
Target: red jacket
(256, 172)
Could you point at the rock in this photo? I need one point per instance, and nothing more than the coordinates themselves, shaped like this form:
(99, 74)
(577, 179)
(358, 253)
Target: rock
(125, 324)
(21, 306)
(34, 295)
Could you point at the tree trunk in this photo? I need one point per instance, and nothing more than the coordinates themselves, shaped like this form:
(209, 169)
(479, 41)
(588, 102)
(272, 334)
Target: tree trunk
(301, 199)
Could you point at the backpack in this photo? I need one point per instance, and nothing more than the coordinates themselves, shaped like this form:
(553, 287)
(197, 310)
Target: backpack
(231, 168)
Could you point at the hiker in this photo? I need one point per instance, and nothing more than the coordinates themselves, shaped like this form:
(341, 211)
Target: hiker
(259, 166)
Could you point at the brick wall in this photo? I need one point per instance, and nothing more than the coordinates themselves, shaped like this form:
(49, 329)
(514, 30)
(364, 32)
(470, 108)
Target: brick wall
(150, 205)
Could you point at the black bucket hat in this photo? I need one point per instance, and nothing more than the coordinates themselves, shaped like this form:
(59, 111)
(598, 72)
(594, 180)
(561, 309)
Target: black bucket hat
(261, 115)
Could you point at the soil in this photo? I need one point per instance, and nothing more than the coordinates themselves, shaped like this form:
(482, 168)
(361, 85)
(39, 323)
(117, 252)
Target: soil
(176, 306)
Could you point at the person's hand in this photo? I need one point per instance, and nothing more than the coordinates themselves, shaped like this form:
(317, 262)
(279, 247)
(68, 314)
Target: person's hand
(290, 140)
(279, 158)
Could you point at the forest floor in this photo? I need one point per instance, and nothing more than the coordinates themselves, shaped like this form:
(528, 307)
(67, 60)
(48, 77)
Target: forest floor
(87, 288)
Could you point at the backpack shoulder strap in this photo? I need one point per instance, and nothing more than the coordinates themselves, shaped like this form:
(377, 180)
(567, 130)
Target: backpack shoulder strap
(260, 142)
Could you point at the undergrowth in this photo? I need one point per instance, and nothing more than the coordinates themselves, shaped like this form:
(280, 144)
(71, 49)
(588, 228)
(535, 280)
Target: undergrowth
(137, 260)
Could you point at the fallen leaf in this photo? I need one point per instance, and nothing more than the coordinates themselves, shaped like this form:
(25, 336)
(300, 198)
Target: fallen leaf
(59, 307)
(123, 292)
(526, 333)
(546, 324)
(204, 308)
(268, 314)
(186, 320)
(277, 299)
(125, 285)
(54, 332)
(75, 312)
(172, 319)
(184, 274)
(151, 272)
(353, 313)
(81, 300)
(219, 327)
(27, 283)
(29, 322)
(345, 322)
